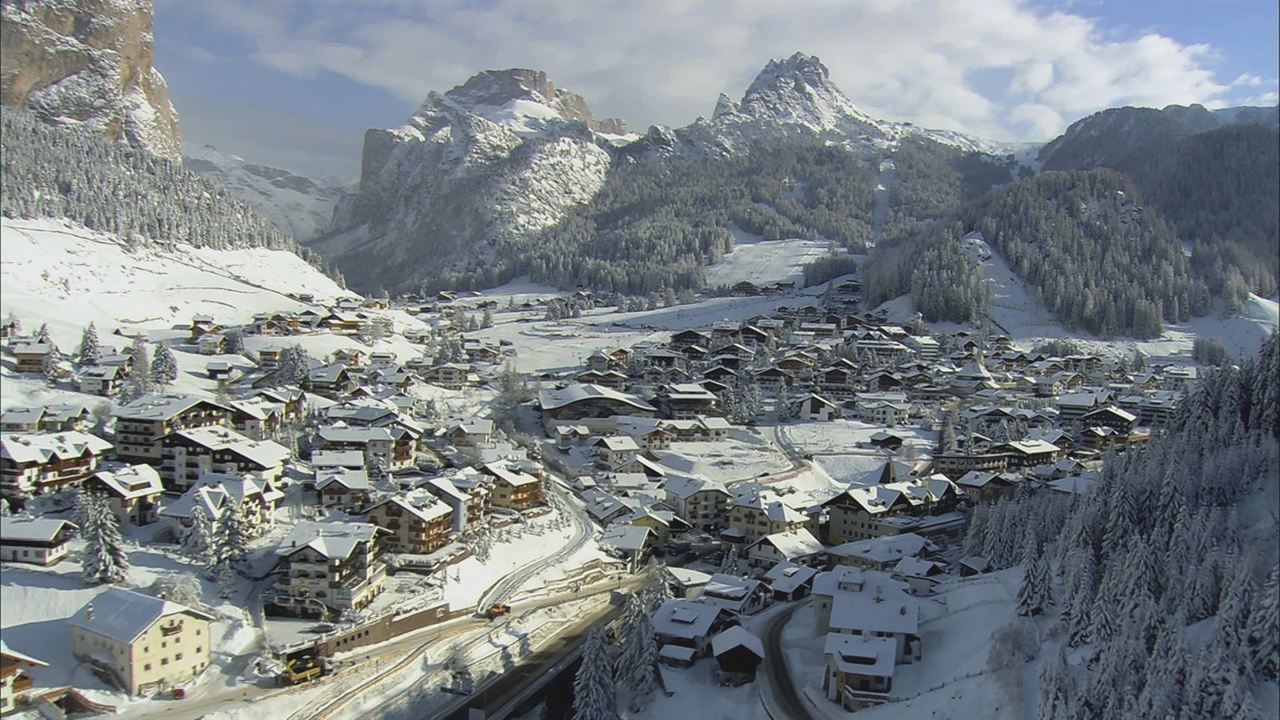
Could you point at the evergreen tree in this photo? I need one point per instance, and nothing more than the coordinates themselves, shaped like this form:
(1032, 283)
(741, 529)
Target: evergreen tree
(164, 367)
(1263, 631)
(197, 544)
(104, 559)
(90, 350)
(594, 692)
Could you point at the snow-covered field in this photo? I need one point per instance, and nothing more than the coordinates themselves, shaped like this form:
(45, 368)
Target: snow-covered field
(728, 460)
(766, 261)
(844, 437)
(61, 273)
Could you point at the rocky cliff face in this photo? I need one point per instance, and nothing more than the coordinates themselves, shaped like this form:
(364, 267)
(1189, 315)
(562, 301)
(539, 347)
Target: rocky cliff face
(503, 155)
(88, 61)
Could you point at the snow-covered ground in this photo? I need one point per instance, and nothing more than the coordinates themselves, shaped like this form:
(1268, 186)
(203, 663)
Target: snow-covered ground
(766, 261)
(843, 437)
(60, 273)
(728, 460)
(1015, 310)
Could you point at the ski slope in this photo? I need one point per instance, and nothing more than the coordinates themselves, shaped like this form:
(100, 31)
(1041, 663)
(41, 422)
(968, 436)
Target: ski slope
(63, 274)
(766, 261)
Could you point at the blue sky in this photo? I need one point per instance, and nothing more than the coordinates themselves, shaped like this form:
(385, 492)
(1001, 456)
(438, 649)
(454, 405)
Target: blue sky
(295, 83)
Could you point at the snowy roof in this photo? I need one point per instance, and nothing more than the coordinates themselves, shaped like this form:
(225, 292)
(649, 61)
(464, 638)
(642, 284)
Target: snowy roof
(22, 416)
(132, 482)
(615, 443)
(1031, 447)
(361, 435)
(884, 549)
(736, 636)
(860, 655)
(629, 538)
(349, 478)
(337, 458)
(124, 615)
(687, 619)
(334, 540)
(23, 529)
(419, 503)
(264, 453)
(156, 406)
(212, 491)
(551, 399)
(793, 544)
(787, 576)
(43, 448)
(475, 426)
(504, 472)
(687, 577)
(870, 613)
(679, 653)
(11, 654)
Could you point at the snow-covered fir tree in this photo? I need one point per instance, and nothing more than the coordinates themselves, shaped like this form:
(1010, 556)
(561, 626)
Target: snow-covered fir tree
(594, 691)
(164, 366)
(637, 665)
(104, 559)
(197, 543)
(90, 350)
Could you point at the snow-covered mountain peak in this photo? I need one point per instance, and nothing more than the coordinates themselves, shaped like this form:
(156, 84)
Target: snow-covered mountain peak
(519, 99)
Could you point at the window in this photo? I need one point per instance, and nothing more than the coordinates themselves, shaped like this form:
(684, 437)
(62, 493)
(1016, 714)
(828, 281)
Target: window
(178, 656)
(146, 667)
(164, 661)
(198, 648)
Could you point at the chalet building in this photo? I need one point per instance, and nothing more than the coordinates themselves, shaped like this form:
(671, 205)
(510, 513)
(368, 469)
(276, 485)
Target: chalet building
(468, 500)
(817, 408)
(417, 523)
(215, 493)
(292, 401)
(31, 357)
(269, 358)
(738, 596)
(101, 380)
(213, 344)
(142, 425)
(987, 486)
(1026, 453)
(15, 682)
(202, 325)
(469, 433)
(859, 671)
(837, 380)
(133, 492)
(188, 454)
(1072, 408)
(451, 376)
(1121, 421)
(332, 380)
(689, 624)
(797, 546)
(790, 581)
(956, 465)
(35, 541)
(587, 403)
(39, 463)
(612, 379)
(683, 401)
(615, 453)
(512, 489)
(760, 514)
(49, 418)
(143, 643)
(774, 379)
(394, 447)
(883, 409)
(328, 568)
(702, 502)
(872, 510)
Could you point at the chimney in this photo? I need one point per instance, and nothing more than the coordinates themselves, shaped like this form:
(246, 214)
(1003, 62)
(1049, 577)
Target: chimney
(88, 611)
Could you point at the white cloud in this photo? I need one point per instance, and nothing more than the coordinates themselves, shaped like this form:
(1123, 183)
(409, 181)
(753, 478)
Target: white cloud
(1247, 80)
(666, 62)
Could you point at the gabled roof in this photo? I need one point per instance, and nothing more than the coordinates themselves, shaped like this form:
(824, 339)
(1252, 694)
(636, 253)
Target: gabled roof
(43, 448)
(861, 655)
(333, 540)
(131, 482)
(155, 406)
(264, 453)
(551, 399)
(735, 637)
(874, 613)
(792, 544)
(686, 619)
(124, 615)
(31, 529)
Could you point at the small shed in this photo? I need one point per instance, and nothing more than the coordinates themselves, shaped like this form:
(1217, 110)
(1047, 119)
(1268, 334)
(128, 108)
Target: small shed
(974, 565)
(738, 653)
(676, 655)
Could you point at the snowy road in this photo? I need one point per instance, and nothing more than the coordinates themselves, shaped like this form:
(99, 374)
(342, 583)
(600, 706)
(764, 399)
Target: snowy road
(505, 589)
(777, 693)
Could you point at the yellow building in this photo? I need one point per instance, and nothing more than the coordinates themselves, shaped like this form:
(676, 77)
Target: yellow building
(146, 643)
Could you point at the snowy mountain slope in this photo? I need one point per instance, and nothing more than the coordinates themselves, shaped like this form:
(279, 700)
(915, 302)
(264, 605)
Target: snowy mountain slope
(60, 273)
(298, 205)
(89, 62)
(766, 262)
(503, 155)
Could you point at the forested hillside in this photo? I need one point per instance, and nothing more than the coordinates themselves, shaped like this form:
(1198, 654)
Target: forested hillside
(1099, 260)
(1220, 190)
(933, 267)
(657, 221)
(1163, 578)
(112, 187)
